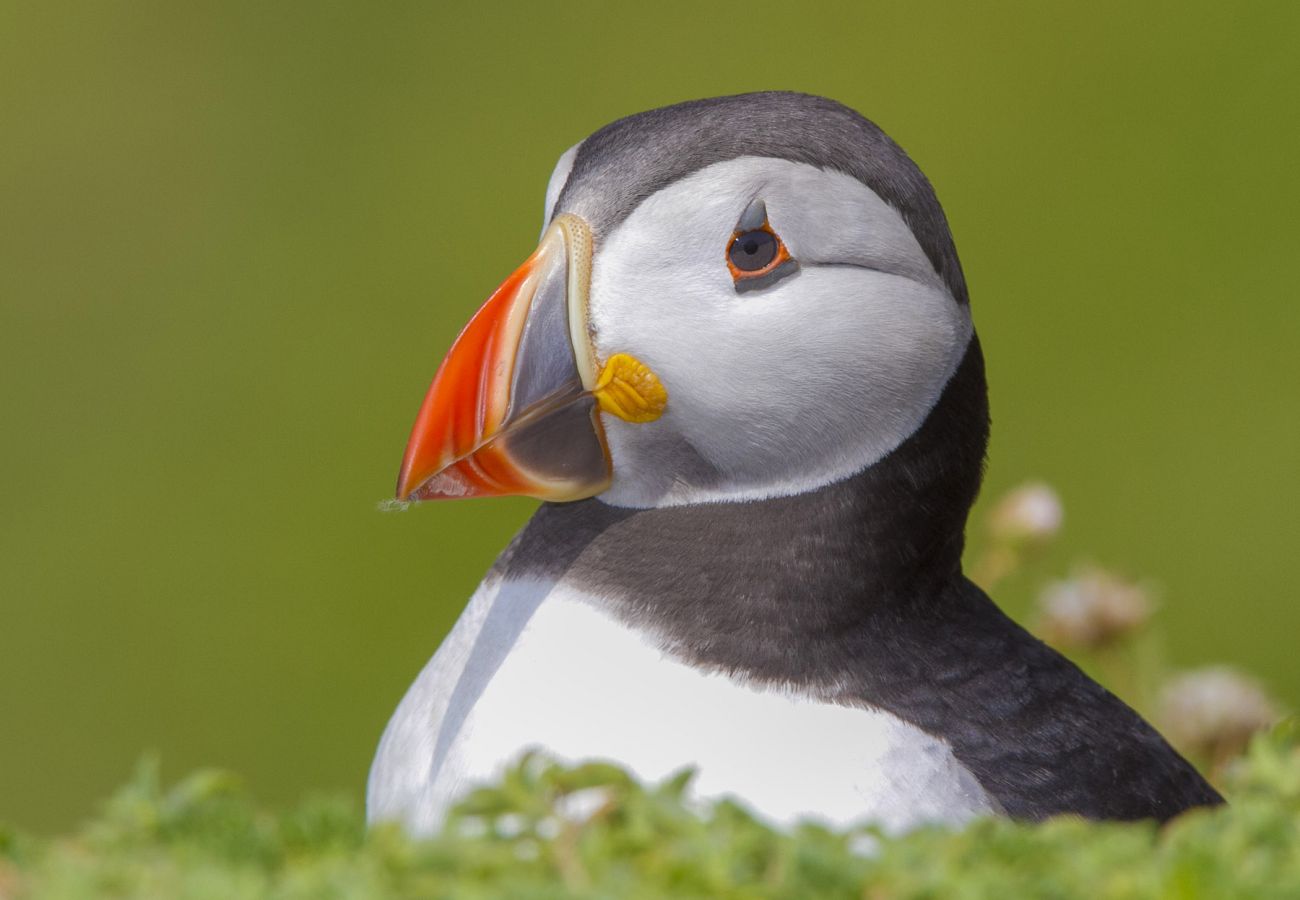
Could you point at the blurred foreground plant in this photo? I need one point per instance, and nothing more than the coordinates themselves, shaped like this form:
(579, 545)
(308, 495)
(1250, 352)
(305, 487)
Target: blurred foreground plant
(547, 831)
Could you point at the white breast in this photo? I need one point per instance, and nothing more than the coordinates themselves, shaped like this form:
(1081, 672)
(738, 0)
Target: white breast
(537, 665)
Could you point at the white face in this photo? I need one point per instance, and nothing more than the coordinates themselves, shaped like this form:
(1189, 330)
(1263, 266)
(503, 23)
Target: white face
(781, 389)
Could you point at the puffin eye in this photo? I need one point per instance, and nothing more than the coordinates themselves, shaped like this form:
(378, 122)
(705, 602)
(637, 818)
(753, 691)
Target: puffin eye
(757, 256)
(753, 251)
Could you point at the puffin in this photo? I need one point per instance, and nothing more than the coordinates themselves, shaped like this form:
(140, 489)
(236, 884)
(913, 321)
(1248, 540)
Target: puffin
(740, 372)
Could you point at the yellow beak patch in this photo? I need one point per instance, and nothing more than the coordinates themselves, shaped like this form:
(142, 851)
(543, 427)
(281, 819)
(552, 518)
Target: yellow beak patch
(629, 389)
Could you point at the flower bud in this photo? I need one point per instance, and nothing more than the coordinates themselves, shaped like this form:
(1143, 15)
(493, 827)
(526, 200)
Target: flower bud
(1031, 514)
(1211, 713)
(1093, 609)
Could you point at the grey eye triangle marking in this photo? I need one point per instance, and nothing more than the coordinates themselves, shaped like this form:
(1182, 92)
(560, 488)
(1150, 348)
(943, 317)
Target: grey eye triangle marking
(753, 217)
(789, 267)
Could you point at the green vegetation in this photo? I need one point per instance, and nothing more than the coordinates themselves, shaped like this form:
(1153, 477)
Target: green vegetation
(547, 831)
(592, 831)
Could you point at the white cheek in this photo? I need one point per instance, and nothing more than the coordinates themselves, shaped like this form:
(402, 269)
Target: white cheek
(776, 391)
(793, 391)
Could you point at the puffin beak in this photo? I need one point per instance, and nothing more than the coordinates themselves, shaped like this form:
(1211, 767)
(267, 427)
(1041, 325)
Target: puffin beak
(513, 408)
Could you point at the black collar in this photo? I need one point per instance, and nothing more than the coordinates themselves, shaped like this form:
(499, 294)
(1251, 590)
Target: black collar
(854, 593)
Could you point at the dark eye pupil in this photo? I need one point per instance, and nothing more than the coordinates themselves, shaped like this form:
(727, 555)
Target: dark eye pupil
(753, 250)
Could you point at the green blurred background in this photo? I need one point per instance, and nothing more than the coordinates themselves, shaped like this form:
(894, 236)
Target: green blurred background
(235, 240)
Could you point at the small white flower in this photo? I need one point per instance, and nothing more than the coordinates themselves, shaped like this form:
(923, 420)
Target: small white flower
(1092, 609)
(1213, 712)
(510, 825)
(548, 829)
(1031, 513)
(579, 806)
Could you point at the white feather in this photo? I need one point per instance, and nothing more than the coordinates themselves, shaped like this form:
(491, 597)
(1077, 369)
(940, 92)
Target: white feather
(533, 665)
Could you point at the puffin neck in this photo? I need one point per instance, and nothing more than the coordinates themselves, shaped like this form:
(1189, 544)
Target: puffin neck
(743, 586)
(853, 594)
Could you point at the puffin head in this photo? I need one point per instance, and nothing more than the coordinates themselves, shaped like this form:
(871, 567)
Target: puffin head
(736, 298)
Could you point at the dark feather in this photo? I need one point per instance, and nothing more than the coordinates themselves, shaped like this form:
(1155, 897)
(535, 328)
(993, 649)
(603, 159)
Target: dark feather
(855, 594)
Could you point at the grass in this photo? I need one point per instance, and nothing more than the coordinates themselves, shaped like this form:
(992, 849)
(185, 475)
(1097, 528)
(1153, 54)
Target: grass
(587, 832)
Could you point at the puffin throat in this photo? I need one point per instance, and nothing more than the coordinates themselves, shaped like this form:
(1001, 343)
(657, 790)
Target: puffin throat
(739, 585)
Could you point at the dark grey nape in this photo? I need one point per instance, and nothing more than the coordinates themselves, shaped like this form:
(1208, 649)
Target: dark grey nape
(628, 160)
(855, 592)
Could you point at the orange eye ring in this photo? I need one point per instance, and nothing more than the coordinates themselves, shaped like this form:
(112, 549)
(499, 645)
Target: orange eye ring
(746, 252)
